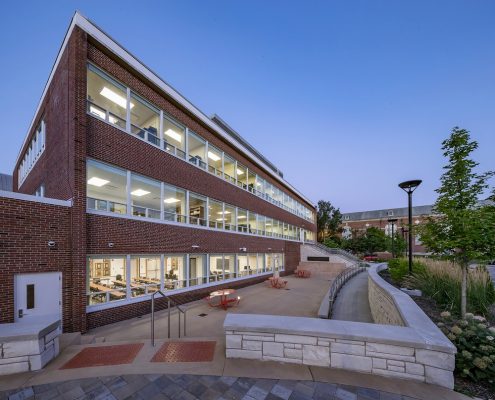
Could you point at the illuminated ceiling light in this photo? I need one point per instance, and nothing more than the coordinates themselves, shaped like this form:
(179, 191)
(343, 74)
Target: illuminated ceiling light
(241, 217)
(140, 192)
(96, 111)
(223, 212)
(258, 184)
(95, 181)
(174, 135)
(171, 200)
(220, 219)
(116, 98)
(239, 172)
(213, 156)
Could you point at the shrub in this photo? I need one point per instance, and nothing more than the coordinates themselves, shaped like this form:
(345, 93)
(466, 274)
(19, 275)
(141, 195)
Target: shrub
(441, 280)
(475, 343)
(399, 269)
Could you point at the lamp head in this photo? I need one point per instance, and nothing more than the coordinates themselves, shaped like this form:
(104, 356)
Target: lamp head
(410, 186)
(392, 220)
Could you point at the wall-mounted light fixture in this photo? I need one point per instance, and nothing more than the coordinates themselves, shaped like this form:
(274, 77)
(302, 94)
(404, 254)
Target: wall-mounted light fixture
(110, 244)
(195, 246)
(243, 249)
(51, 243)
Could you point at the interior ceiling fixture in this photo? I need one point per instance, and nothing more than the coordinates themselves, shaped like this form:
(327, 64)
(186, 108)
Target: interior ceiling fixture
(223, 212)
(171, 200)
(239, 172)
(95, 181)
(140, 192)
(116, 98)
(174, 135)
(213, 156)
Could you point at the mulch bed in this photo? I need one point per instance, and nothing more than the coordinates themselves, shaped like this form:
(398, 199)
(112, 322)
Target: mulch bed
(430, 308)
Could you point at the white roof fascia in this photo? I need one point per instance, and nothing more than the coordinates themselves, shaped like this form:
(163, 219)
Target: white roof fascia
(94, 31)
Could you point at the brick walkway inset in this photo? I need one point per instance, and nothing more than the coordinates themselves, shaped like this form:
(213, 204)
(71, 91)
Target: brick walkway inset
(185, 352)
(104, 355)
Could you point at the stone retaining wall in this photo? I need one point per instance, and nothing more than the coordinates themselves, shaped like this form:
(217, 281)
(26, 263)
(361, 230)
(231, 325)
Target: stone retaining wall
(27, 348)
(383, 308)
(417, 351)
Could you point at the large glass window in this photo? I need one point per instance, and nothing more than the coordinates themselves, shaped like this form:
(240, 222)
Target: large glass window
(251, 181)
(229, 168)
(197, 150)
(106, 187)
(106, 280)
(145, 197)
(261, 225)
(253, 223)
(260, 186)
(242, 221)
(197, 209)
(197, 269)
(145, 275)
(241, 174)
(229, 266)
(175, 272)
(214, 160)
(174, 137)
(174, 204)
(216, 268)
(229, 216)
(253, 263)
(269, 262)
(246, 264)
(261, 263)
(278, 261)
(269, 226)
(216, 217)
(107, 99)
(145, 120)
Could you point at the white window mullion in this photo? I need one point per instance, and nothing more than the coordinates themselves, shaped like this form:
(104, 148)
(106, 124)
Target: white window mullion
(187, 207)
(128, 111)
(207, 216)
(186, 148)
(187, 269)
(162, 272)
(223, 164)
(162, 204)
(128, 276)
(160, 131)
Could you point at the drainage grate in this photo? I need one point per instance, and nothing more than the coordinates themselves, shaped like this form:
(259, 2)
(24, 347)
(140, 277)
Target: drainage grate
(202, 315)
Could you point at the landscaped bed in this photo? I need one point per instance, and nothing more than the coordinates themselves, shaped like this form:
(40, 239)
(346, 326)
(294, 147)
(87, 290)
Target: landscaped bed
(475, 361)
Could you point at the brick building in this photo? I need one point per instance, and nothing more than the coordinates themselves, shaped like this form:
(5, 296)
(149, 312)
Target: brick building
(356, 223)
(122, 187)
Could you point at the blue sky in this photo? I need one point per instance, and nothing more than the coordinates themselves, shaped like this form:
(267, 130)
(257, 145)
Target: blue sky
(347, 98)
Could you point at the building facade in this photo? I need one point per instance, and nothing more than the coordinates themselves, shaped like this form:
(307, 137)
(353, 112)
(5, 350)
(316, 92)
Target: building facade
(356, 223)
(123, 187)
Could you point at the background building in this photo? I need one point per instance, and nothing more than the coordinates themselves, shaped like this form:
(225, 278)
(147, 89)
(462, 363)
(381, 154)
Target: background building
(123, 187)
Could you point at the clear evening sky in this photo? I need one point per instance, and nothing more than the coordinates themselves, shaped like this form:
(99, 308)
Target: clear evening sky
(347, 98)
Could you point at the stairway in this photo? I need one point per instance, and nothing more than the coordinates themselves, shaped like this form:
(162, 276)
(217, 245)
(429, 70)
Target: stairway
(334, 255)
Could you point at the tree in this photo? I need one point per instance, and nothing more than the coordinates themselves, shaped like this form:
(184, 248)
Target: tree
(399, 244)
(328, 220)
(461, 229)
(375, 240)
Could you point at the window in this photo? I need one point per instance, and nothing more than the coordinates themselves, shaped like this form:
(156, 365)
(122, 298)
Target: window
(197, 209)
(106, 187)
(278, 261)
(241, 174)
(40, 192)
(145, 197)
(174, 204)
(390, 213)
(229, 266)
(107, 99)
(215, 160)
(175, 272)
(251, 181)
(215, 214)
(106, 280)
(145, 275)
(260, 186)
(261, 263)
(197, 269)
(269, 262)
(261, 225)
(229, 217)
(242, 221)
(346, 217)
(145, 120)
(33, 152)
(197, 150)
(243, 267)
(229, 169)
(253, 223)
(269, 226)
(174, 137)
(216, 268)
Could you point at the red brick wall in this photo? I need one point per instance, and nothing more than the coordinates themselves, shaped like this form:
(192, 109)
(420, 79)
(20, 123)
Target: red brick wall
(25, 230)
(113, 68)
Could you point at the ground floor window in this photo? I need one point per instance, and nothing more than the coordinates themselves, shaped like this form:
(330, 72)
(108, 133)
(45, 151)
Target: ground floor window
(120, 278)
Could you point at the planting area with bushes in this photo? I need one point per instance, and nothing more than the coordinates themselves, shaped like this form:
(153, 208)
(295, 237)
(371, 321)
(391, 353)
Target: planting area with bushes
(440, 284)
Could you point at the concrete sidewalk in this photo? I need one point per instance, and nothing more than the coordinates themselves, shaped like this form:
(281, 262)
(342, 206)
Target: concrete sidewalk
(352, 301)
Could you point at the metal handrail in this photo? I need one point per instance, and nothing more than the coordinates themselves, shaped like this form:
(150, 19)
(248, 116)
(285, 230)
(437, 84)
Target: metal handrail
(341, 280)
(169, 301)
(337, 251)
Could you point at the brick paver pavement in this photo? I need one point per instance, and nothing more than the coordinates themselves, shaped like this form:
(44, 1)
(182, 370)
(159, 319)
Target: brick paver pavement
(190, 387)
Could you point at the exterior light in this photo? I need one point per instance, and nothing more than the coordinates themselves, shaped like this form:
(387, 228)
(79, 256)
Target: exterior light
(392, 222)
(409, 187)
(195, 246)
(110, 244)
(51, 243)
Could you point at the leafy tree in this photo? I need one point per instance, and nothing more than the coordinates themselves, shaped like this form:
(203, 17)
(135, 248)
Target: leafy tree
(375, 240)
(462, 229)
(328, 220)
(399, 245)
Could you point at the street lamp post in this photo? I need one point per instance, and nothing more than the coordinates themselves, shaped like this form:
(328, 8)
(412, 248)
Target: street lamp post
(409, 187)
(392, 222)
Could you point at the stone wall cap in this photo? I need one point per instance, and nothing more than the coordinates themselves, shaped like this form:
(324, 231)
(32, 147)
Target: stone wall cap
(304, 326)
(27, 330)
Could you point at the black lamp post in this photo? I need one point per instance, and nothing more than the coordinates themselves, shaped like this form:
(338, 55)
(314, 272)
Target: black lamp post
(409, 187)
(392, 222)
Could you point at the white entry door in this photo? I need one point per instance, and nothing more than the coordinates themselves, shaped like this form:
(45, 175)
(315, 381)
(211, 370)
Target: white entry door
(38, 295)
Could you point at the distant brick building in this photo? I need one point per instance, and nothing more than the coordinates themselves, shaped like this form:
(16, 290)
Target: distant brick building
(356, 223)
(122, 187)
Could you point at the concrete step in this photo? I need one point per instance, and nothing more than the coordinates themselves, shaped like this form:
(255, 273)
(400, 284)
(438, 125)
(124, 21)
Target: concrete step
(69, 339)
(100, 339)
(88, 339)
